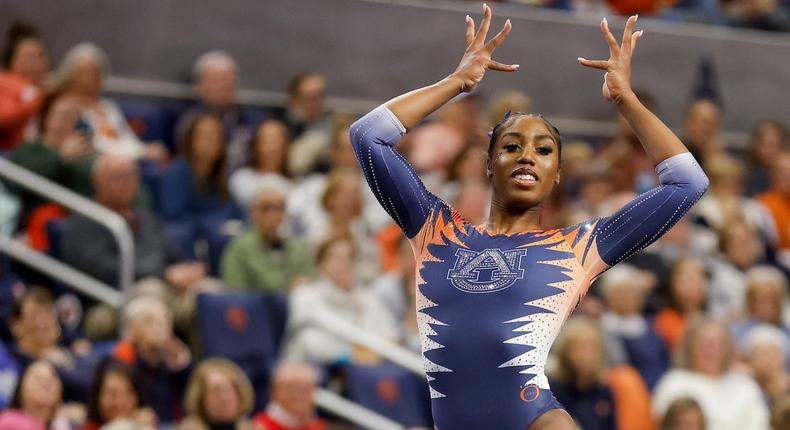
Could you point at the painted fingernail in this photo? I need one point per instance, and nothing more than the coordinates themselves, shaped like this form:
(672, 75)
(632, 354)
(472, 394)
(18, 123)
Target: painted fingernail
(640, 33)
(581, 59)
(516, 66)
(606, 23)
(467, 18)
(508, 21)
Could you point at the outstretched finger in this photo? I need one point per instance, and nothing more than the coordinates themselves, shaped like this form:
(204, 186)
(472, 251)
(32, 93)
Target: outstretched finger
(628, 32)
(483, 32)
(497, 40)
(614, 49)
(595, 64)
(635, 38)
(470, 30)
(495, 65)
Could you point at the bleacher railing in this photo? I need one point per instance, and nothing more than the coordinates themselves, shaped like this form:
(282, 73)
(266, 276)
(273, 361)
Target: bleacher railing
(17, 249)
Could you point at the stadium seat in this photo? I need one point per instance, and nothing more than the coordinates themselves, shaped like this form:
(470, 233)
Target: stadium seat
(391, 391)
(238, 326)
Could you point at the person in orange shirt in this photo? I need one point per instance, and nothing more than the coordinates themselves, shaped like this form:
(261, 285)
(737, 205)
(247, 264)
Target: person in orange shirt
(26, 63)
(777, 202)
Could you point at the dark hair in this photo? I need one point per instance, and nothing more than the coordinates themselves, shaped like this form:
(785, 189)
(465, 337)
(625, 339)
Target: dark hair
(759, 129)
(676, 408)
(297, 80)
(510, 118)
(17, 33)
(215, 182)
(38, 295)
(452, 169)
(252, 147)
(323, 248)
(16, 400)
(107, 367)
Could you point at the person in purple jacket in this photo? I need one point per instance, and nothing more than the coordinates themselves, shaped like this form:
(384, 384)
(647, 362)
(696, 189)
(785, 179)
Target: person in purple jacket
(491, 298)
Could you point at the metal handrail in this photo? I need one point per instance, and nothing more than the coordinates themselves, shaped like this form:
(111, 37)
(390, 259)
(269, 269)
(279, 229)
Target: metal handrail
(343, 329)
(88, 208)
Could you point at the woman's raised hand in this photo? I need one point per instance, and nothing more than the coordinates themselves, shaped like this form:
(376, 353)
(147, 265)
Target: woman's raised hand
(477, 57)
(617, 79)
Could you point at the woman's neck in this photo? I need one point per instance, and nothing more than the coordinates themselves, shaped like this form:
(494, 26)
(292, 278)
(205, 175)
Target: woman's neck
(508, 220)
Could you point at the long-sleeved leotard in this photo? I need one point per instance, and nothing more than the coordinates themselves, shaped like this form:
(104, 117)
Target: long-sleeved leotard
(489, 306)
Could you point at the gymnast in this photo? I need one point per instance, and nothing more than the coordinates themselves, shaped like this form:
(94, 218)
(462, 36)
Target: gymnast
(491, 298)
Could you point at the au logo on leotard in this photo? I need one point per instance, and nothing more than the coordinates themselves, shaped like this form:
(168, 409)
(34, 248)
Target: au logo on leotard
(486, 271)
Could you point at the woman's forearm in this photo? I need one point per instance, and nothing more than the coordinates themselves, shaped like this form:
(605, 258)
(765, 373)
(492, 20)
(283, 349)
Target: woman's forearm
(411, 108)
(658, 140)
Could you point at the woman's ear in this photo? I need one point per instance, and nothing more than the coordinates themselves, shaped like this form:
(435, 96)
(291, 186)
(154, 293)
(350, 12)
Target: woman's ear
(489, 173)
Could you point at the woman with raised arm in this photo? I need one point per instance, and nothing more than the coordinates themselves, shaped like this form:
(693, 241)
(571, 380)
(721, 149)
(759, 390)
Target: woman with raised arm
(491, 298)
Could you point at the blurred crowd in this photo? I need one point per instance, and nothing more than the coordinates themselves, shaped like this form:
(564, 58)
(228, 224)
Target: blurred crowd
(269, 203)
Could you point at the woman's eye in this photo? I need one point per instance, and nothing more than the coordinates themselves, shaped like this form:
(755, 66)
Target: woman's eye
(511, 147)
(544, 150)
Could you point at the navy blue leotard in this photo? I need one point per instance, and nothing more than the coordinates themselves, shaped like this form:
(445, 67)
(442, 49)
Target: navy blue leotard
(489, 306)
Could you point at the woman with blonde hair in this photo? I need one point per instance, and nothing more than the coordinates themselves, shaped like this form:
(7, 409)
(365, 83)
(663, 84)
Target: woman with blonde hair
(219, 397)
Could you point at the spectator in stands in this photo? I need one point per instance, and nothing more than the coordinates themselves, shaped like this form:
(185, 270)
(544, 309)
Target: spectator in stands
(62, 154)
(624, 287)
(116, 182)
(768, 140)
(26, 63)
(397, 289)
(766, 354)
(777, 201)
(468, 166)
(292, 406)
(760, 15)
(263, 258)
(219, 397)
(161, 362)
(506, 101)
(115, 396)
(215, 77)
(267, 162)
(467, 202)
(766, 298)
(307, 119)
(701, 127)
(683, 414)
(37, 400)
(704, 372)
(337, 295)
(688, 295)
(740, 249)
(725, 199)
(34, 324)
(81, 73)
(578, 381)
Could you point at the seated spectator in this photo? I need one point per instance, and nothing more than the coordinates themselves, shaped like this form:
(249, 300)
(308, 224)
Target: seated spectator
(760, 15)
(766, 355)
(688, 295)
(740, 248)
(777, 201)
(37, 401)
(116, 183)
(307, 121)
(263, 258)
(766, 301)
(397, 289)
(219, 397)
(768, 140)
(729, 399)
(292, 406)
(624, 288)
(194, 186)
(34, 324)
(578, 381)
(506, 101)
(115, 396)
(62, 154)
(81, 74)
(467, 201)
(683, 414)
(336, 293)
(26, 63)
(469, 165)
(160, 362)
(215, 77)
(267, 162)
(702, 129)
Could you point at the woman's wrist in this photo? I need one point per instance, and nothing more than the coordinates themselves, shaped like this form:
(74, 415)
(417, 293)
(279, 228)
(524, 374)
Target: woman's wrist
(627, 100)
(454, 81)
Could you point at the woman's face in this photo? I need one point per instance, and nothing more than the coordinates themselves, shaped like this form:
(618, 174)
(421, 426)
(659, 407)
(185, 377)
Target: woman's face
(117, 398)
(689, 286)
(345, 203)
(41, 387)
(207, 141)
(741, 246)
(37, 325)
(765, 302)
(768, 143)
(709, 350)
(524, 164)
(584, 354)
(271, 144)
(689, 419)
(338, 264)
(86, 77)
(221, 401)
(31, 60)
